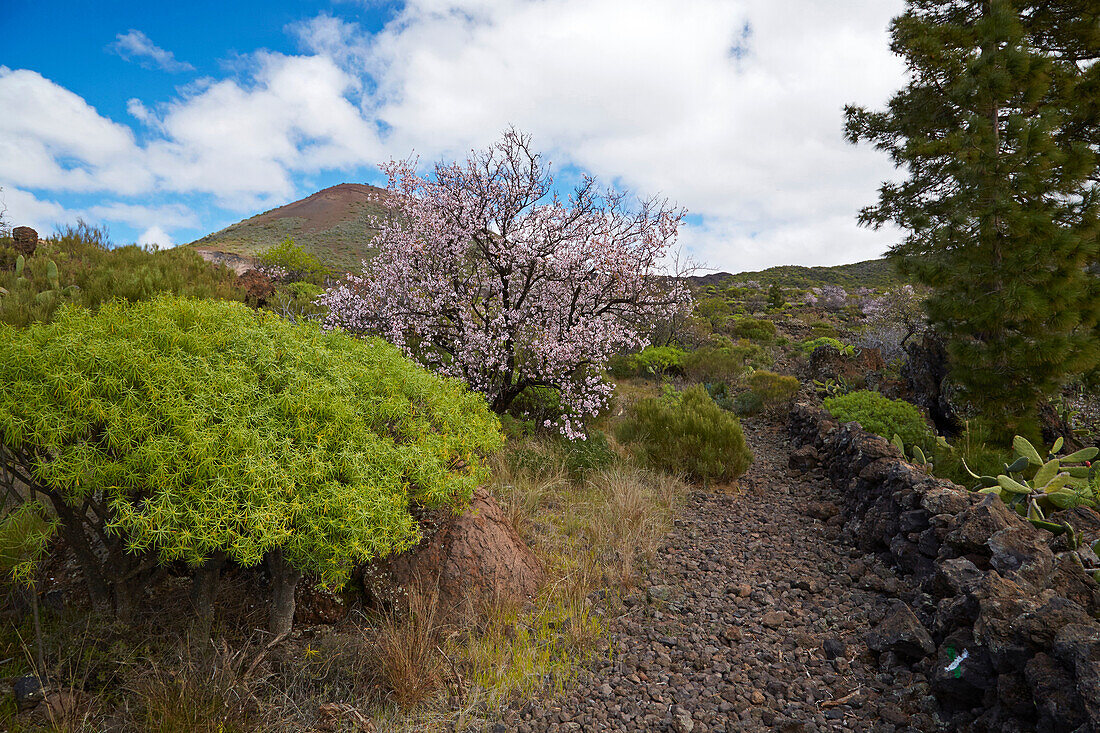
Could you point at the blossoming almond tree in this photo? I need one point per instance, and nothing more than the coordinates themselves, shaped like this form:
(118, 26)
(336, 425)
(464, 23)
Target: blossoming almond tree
(484, 272)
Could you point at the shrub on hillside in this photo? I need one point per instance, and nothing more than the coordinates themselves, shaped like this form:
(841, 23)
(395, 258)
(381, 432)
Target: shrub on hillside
(85, 271)
(773, 389)
(192, 431)
(287, 261)
(755, 329)
(687, 433)
(718, 363)
(808, 347)
(883, 416)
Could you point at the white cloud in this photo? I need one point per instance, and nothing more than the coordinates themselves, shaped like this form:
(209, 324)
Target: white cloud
(653, 94)
(138, 216)
(50, 138)
(154, 236)
(245, 143)
(732, 108)
(135, 45)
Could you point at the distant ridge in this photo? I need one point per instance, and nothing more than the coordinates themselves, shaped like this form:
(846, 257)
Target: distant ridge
(332, 224)
(874, 274)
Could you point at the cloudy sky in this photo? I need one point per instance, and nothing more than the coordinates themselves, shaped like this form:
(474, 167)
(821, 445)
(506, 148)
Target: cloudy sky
(168, 121)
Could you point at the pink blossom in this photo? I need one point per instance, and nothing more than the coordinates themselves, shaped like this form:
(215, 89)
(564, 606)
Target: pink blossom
(484, 273)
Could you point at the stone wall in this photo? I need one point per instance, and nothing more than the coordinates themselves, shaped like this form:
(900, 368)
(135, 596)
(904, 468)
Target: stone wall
(992, 587)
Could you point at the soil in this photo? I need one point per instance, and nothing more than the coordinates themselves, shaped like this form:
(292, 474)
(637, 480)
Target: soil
(752, 617)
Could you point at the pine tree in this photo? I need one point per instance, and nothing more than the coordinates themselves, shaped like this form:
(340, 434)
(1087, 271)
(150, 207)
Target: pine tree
(998, 130)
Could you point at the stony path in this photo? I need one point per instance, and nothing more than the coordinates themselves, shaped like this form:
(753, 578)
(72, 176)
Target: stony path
(750, 619)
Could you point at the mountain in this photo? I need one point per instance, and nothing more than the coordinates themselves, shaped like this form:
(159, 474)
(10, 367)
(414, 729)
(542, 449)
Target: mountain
(875, 274)
(332, 225)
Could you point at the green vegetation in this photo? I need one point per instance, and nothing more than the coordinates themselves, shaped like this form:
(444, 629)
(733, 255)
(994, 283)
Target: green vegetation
(652, 361)
(809, 347)
(687, 433)
(883, 416)
(203, 430)
(873, 274)
(773, 389)
(78, 267)
(755, 329)
(1037, 484)
(998, 129)
(723, 363)
(294, 263)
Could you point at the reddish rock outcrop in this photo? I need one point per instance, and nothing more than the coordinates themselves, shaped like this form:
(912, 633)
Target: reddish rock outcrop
(474, 559)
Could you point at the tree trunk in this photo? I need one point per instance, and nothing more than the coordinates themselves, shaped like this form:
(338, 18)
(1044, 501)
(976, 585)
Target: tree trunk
(284, 579)
(204, 588)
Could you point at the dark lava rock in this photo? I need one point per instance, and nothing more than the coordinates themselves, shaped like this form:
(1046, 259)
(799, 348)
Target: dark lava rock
(804, 459)
(1020, 552)
(834, 647)
(28, 692)
(901, 632)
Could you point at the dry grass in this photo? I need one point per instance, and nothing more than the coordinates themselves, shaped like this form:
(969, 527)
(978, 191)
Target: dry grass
(405, 654)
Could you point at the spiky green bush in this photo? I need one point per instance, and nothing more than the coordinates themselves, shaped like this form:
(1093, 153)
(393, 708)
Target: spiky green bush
(178, 429)
(687, 433)
(883, 416)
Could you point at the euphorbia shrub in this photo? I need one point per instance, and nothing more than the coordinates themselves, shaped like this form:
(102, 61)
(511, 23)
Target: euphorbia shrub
(203, 431)
(483, 272)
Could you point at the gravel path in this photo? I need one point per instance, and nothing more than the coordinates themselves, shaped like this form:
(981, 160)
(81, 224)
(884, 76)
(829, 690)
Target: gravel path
(751, 619)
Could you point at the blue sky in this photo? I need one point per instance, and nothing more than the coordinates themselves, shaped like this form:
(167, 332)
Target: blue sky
(167, 121)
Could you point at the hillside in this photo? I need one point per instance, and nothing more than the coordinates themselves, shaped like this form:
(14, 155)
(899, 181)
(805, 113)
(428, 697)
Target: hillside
(875, 274)
(332, 224)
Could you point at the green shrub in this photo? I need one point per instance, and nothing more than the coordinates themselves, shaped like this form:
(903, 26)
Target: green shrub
(204, 427)
(716, 364)
(293, 263)
(687, 434)
(592, 454)
(823, 328)
(537, 404)
(755, 329)
(747, 404)
(809, 347)
(773, 389)
(89, 274)
(659, 360)
(721, 393)
(883, 416)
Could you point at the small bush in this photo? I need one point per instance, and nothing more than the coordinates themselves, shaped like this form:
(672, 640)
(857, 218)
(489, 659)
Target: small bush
(747, 404)
(290, 262)
(809, 347)
(883, 416)
(593, 454)
(823, 328)
(659, 360)
(755, 329)
(716, 364)
(721, 393)
(773, 389)
(688, 434)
